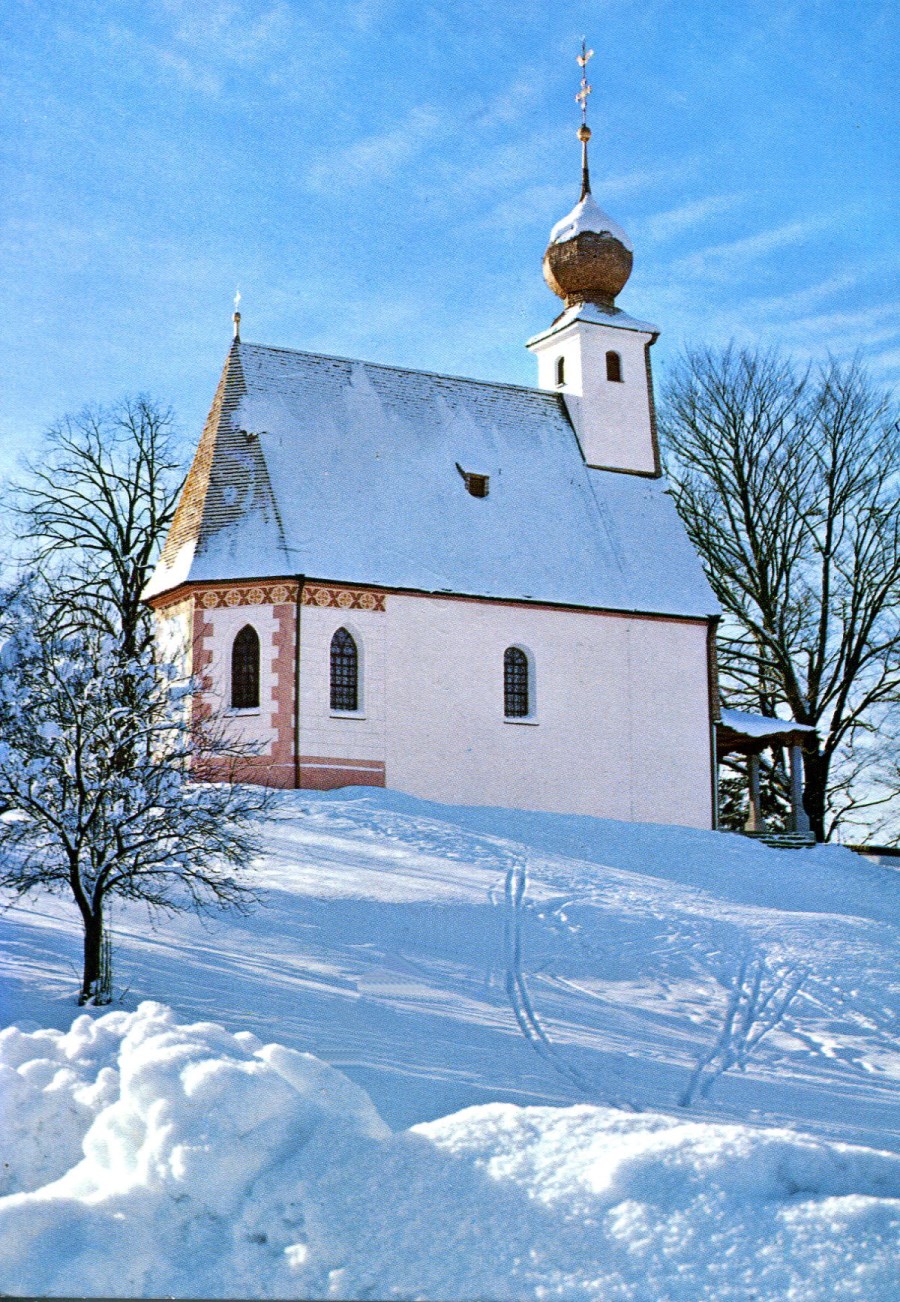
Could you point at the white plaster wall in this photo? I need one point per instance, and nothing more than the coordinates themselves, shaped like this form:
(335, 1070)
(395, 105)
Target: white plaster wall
(256, 727)
(173, 632)
(621, 727)
(611, 418)
(322, 732)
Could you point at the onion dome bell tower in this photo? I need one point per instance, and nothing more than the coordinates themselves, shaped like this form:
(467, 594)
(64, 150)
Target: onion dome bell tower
(594, 354)
(589, 257)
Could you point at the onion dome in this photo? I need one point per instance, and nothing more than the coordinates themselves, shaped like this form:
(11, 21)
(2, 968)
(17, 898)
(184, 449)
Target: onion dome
(589, 257)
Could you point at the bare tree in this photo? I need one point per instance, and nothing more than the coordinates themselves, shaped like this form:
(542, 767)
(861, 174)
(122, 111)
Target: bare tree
(99, 750)
(95, 510)
(789, 485)
(99, 756)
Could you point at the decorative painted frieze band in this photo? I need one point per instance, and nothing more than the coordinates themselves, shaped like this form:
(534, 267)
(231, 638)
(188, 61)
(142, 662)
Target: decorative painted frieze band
(342, 598)
(256, 594)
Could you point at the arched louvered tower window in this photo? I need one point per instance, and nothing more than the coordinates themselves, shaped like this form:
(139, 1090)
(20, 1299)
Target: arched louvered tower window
(613, 366)
(344, 672)
(245, 670)
(515, 683)
(560, 371)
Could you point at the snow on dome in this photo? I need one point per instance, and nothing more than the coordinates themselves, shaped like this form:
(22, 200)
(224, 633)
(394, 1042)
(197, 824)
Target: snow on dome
(588, 216)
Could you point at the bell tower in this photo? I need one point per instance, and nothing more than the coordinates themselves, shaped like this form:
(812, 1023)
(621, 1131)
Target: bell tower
(594, 354)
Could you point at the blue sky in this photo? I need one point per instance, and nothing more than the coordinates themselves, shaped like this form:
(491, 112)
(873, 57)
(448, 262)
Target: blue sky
(379, 179)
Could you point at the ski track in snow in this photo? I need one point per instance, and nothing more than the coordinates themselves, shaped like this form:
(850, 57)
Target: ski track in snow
(444, 957)
(517, 987)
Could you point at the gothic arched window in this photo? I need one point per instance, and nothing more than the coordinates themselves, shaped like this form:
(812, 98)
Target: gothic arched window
(344, 672)
(245, 670)
(560, 370)
(613, 366)
(516, 704)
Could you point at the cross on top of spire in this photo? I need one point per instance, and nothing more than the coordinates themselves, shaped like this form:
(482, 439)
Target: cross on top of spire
(584, 131)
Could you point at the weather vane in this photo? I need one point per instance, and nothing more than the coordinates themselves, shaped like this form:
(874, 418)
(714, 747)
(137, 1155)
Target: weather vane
(585, 89)
(584, 131)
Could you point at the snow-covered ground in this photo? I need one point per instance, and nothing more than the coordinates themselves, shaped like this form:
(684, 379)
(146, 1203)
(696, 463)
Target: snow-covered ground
(568, 982)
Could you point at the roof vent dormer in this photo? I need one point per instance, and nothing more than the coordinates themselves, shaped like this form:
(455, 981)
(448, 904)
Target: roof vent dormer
(477, 485)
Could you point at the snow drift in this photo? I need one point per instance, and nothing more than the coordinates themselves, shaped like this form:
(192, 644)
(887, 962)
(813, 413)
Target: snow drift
(150, 1157)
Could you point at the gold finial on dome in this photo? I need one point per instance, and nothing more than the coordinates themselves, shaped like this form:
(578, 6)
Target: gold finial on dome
(589, 257)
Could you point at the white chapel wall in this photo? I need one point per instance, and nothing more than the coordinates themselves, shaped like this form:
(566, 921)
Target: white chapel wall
(173, 634)
(326, 735)
(621, 726)
(254, 727)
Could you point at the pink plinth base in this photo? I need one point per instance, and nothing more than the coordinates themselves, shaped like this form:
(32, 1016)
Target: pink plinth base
(325, 774)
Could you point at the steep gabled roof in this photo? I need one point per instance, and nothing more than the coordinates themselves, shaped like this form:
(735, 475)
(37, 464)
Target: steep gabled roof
(350, 472)
(227, 486)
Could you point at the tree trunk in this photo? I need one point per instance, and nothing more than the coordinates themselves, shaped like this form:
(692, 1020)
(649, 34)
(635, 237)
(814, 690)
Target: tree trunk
(815, 784)
(93, 941)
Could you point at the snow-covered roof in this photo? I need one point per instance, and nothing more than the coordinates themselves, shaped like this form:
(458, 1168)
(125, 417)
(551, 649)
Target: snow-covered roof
(588, 216)
(350, 472)
(595, 315)
(760, 727)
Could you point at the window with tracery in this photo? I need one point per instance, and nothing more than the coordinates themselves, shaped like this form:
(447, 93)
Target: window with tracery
(515, 683)
(245, 670)
(344, 672)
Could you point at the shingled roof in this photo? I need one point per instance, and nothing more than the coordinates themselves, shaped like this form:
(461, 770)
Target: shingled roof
(350, 472)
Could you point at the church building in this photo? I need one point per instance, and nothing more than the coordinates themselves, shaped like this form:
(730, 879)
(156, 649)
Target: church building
(473, 592)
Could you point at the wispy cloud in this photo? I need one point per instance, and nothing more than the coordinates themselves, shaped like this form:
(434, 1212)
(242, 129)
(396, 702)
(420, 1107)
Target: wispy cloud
(516, 213)
(867, 325)
(643, 179)
(886, 364)
(512, 102)
(801, 300)
(195, 76)
(505, 167)
(377, 158)
(485, 165)
(366, 15)
(202, 48)
(722, 258)
(223, 30)
(663, 225)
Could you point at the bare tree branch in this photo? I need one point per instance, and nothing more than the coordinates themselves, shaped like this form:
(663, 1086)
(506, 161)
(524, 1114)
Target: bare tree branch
(95, 509)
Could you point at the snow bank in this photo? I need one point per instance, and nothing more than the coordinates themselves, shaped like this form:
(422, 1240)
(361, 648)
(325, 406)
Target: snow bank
(53, 1085)
(214, 1165)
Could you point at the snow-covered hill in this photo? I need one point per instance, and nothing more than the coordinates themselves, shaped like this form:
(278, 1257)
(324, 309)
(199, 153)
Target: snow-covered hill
(445, 958)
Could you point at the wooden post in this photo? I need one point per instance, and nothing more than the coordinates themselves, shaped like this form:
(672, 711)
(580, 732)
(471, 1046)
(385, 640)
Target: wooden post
(755, 821)
(799, 816)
